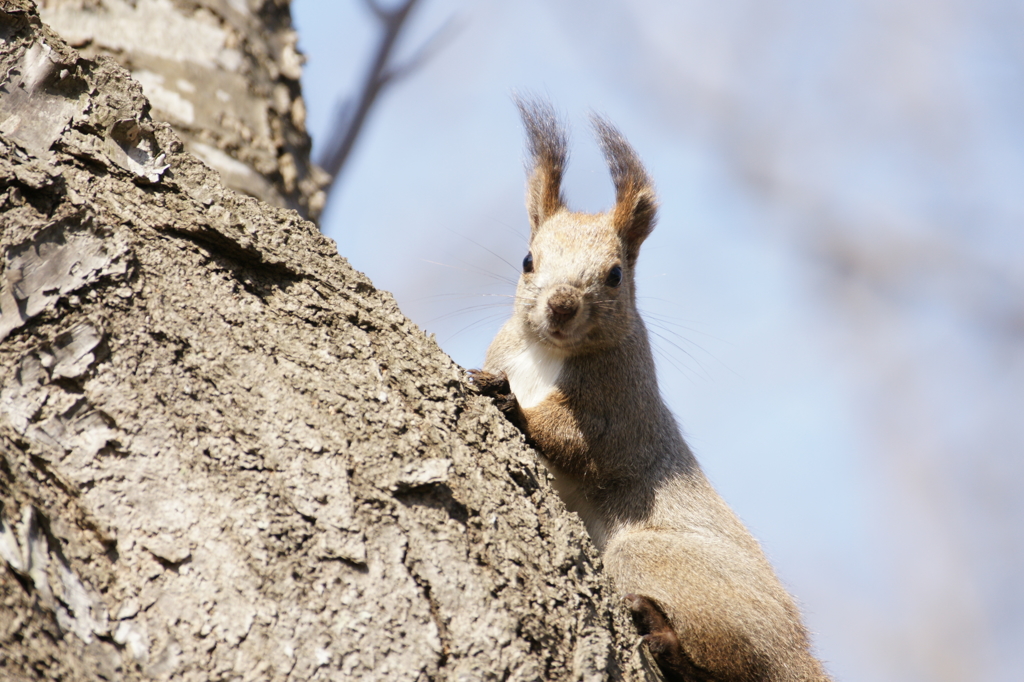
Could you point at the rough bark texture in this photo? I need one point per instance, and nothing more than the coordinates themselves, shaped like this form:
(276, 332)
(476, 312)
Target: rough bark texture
(224, 454)
(224, 74)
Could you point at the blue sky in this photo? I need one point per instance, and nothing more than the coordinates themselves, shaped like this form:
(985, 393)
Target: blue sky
(835, 271)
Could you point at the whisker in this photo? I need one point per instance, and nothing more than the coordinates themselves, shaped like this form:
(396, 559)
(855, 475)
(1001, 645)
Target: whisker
(664, 319)
(461, 295)
(517, 232)
(467, 310)
(678, 347)
(472, 325)
(473, 270)
(499, 303)
(473, 241)
(667, 357)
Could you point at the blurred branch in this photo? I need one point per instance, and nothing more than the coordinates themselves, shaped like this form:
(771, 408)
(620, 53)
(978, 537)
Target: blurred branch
(352, 114)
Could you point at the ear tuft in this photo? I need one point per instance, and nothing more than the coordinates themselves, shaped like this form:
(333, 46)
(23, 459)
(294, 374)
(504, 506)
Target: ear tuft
(636, 205)
(548, 146)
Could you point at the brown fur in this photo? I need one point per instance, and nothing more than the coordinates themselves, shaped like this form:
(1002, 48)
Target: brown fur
(549, 150)
(588, 399)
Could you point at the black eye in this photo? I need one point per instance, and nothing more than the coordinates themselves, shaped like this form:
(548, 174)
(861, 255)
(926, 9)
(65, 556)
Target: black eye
(614, 277)
(528, 263)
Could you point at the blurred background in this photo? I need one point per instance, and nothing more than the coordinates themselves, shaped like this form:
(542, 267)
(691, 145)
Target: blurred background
(835, 287)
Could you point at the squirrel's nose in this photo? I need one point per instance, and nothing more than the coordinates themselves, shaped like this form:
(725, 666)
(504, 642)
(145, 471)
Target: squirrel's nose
(562, 307)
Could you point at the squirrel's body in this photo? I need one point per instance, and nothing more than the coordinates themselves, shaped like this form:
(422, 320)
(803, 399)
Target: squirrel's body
(584, 390)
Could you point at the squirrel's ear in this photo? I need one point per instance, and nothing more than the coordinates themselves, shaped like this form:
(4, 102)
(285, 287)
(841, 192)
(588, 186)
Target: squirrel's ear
(546, 141)
(636, 205)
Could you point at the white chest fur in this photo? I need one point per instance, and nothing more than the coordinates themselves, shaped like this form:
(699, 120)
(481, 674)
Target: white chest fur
(532, 374)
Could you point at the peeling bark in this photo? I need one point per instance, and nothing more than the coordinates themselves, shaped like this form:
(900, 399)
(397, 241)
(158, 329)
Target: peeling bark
(224, 453)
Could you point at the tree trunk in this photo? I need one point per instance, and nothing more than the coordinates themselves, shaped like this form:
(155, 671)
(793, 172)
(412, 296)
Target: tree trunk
(224, 75)
(224, 454)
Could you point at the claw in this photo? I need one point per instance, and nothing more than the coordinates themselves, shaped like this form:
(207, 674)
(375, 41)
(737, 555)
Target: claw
(489, 383)
(495, 385)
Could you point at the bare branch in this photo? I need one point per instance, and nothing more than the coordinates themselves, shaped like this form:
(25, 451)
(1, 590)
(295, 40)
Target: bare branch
(430, 47)
(376, 9)
(353, 114)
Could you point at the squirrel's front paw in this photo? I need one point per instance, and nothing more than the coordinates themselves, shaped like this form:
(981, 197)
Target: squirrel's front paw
(490, 383)
(662, 641)
(495, 385)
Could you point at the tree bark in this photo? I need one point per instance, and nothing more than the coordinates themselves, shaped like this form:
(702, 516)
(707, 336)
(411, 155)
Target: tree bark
(224, 454)
(224, 74)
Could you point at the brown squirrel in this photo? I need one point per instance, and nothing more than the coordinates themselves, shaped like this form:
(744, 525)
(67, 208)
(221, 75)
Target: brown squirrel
(573, 369)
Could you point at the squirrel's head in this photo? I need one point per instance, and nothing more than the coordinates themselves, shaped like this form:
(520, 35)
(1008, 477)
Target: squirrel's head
(576, 292)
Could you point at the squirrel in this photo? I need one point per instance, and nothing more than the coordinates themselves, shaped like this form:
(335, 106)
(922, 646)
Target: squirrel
(573, 369)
